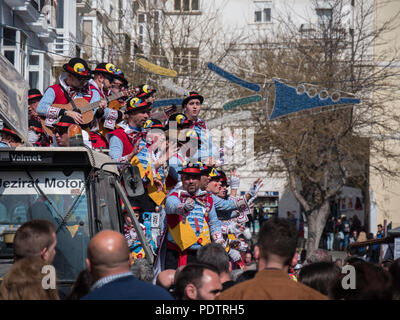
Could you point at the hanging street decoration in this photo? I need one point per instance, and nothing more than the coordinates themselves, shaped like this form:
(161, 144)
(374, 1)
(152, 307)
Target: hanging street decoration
(156, 68)
(242, 101)
(289, 99)
(230, 77)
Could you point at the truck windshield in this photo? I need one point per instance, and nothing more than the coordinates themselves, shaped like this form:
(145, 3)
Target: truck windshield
(21, 200)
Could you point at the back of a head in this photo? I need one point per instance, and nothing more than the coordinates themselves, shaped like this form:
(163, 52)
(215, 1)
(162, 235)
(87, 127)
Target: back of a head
(166, 278)
(247, 275)
(32, 237)
(108, 251)
(142, 270)
(214, 254)
(319, 255)
(278, 237)
(191, 273)
(82, 285)
(371, 283)
(24, 281)
(319, 276)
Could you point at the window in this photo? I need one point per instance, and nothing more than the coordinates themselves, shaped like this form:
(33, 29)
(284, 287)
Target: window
(9, 37)
(33, 79)
(186, 60)
(186, 5)
(262, 11)
(10, 55)
(24, 202)
(60, 14)
(141, 18)
(33, 60)
(324, 17)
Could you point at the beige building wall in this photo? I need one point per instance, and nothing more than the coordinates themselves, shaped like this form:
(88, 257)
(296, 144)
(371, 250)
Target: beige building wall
(386, 190)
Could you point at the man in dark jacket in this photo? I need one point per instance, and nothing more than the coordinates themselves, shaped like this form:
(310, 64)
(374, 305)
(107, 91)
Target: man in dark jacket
(109, 263)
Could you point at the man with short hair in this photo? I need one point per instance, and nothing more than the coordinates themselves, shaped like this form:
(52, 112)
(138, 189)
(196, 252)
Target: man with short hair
(36, 238)
(198, 282)
(275, 252)
(108, 261)
(214, 254)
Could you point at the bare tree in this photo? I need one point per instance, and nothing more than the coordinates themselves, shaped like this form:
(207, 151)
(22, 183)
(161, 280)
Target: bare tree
(322, 150)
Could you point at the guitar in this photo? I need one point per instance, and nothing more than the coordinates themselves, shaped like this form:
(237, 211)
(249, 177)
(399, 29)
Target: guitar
(86, 108)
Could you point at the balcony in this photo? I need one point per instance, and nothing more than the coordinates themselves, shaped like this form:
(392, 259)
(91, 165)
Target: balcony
(83, 6)
(28, 11)
(14, 3)
(48, 36)
(40, 25)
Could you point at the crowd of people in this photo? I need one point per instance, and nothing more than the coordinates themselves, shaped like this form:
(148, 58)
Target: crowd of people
(339, 234)
(273, 271)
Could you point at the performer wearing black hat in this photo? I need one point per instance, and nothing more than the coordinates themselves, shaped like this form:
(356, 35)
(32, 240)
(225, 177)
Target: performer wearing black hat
(104, 76)
(34, 96)
(9, 138)
(191, 218)
(146, 93)
(74, 83)
(191, 107)
(36, 134)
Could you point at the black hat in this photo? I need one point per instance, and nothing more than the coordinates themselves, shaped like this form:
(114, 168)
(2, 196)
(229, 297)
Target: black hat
(153, 124)
(64, 122)
(120, 76)
(5, 129)
(205, 170)
(134, 104)
(223, 179)
(34, 95)
(35, 125)
(107, 69)
(215, 174)
(190, 96)
(192, 169)
(78, 67)
(181, 120)
(145, 91)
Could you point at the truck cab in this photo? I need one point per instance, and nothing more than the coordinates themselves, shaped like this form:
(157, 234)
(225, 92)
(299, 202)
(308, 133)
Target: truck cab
(75, 188)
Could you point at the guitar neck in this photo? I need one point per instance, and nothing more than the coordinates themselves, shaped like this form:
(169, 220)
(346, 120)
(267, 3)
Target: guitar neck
(96, 104)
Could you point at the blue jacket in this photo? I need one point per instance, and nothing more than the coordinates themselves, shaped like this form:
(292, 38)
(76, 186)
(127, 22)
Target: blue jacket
(128, 288)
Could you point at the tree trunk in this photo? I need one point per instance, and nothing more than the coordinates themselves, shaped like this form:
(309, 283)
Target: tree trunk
(316, 223)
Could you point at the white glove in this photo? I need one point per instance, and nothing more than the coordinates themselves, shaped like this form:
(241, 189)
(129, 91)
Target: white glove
(234, 229)
(189, 205)
(243, 246)
(247, 233)
(255, 187)
(234, 182)
(234, 255)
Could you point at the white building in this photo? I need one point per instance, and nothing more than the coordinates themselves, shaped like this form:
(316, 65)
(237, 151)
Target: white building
(27, 29)
(107, 31)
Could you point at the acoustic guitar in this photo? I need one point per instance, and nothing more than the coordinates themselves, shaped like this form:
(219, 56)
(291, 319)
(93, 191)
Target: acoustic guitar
(86, 108)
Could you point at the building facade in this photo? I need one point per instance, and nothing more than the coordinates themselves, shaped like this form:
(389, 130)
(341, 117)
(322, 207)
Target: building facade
(27, 30)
